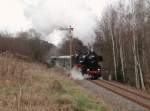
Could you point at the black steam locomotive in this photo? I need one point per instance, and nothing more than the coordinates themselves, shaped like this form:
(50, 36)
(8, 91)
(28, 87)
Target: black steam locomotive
(89, 64)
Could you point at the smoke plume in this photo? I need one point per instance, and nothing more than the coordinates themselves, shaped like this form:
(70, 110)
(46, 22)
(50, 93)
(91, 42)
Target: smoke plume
(76, 74)
(48, 15)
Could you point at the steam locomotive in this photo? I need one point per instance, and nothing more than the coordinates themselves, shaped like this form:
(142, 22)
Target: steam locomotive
(89, 64)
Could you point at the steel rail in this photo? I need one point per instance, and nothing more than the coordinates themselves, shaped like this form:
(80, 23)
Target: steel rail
(128, 90)
(124, 94)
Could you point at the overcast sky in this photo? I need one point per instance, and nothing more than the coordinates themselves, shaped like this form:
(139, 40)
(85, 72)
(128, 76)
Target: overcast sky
(46, 15)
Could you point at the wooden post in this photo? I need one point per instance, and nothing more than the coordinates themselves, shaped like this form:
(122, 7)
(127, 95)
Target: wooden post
(70, 29)
(70, 47)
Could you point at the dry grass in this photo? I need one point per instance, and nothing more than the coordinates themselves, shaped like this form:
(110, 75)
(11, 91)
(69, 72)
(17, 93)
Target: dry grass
(32, 87)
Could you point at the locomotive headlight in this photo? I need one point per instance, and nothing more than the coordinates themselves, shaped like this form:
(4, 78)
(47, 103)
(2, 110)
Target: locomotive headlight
(88, 69)
(99, 69)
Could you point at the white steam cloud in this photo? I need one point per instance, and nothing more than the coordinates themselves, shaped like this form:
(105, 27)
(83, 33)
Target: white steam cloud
(48, 15)
(76, 74)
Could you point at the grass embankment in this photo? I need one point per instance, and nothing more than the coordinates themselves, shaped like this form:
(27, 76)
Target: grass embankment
(33, 87)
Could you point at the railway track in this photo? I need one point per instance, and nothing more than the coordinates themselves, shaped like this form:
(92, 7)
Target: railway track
(132, 95)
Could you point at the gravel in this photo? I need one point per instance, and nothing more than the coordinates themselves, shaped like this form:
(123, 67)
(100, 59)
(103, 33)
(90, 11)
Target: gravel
(117, 102)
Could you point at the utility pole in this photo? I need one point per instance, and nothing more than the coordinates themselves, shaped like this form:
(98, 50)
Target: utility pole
(70, 29)
(71, 39)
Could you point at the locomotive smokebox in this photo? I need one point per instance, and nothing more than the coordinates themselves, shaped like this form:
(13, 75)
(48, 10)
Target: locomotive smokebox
(90, 64)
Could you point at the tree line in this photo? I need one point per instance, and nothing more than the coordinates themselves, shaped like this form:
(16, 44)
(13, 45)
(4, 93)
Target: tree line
(123, 39)
(27, 43)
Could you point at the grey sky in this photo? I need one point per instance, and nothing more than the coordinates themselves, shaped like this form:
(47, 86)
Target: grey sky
(46, 15)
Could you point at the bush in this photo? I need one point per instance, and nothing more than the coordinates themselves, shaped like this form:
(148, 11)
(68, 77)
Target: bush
(26, 43)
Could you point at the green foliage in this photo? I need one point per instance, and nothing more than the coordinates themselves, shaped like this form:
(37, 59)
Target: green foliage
(50, 65)
(79, 98)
